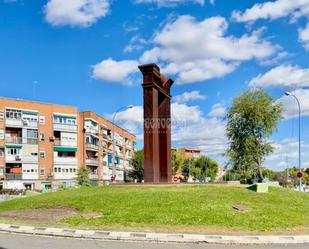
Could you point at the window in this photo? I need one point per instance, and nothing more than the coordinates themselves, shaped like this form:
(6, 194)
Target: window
(64, 120)
(13, 151)
(1, 134)
(32, 134)
(42, 136)
(1, 152)
(34, 153)
(42, 154)
(1, 170)
(1, 116)
(42, 120)
(13, 114)
(66, 154)
(42, 172)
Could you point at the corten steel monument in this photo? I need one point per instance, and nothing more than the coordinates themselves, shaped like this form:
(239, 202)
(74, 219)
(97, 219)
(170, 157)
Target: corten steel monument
(157, 122)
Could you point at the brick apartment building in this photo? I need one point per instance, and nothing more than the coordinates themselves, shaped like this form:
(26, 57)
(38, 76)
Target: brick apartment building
(42, 145)
(188, 152)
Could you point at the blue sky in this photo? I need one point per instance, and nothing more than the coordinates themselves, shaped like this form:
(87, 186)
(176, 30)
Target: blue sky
(212, 49)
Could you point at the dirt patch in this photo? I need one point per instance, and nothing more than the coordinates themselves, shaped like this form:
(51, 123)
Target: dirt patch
(94, 215)
(41, 214)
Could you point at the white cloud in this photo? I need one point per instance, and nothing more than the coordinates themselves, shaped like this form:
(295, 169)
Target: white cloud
(286, 154)
(188, 96)
(277, 9)
(136, 43)
(197, 51)
(81, 13)
(170, 3)
(273, 10)
(290, 104)
(115, 71)
(217, 110)
(304, 36)
(284, 76)
(212, 2)
(188, 128)
(274, 60)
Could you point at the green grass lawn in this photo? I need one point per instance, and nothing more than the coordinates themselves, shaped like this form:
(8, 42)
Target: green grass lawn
(175, 207)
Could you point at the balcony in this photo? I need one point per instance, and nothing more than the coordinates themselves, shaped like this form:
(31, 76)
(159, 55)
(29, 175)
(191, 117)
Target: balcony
(13, 122)
(13, 140)
(20, 140)
(92, 130)
(13, 158)
(65, 127)
(65, 160)
(14, 176)
(59, 142)
(92, 161)
(92, 147)
(30, 124)
(30, 159)
(93, 176)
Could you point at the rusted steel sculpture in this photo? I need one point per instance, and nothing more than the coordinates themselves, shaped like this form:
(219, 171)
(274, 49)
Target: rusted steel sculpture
(157, 125)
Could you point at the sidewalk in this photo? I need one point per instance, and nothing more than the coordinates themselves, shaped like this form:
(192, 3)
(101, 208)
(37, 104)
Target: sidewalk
(153, 237)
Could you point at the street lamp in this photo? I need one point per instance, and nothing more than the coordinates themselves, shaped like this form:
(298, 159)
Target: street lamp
(113, 153)
(299, 142)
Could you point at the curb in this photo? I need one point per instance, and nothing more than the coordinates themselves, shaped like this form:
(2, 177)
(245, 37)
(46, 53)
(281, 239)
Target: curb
(153, 237)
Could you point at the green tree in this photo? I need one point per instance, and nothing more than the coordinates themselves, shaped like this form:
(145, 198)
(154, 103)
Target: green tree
(205, 163)
(83, 176)
(252, 118)
(187, 167)
(137, 164)
(177, 162)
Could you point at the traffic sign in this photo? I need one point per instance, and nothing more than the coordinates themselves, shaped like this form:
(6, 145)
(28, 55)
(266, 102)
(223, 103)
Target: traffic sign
(175, 179)
(299, 174)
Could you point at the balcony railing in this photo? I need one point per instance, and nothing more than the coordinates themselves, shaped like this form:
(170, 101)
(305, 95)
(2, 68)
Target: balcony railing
(20, 140)
(14, 176)
(13, 122)
(92, 161)
(59, 142)
(66, 127)
(28, 123)
(92, 130)
(92, 146)
(13, 140)
(65, 160)
(93, 176)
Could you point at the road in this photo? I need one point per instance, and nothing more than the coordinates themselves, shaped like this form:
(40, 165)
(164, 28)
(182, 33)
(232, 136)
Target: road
(14, 241)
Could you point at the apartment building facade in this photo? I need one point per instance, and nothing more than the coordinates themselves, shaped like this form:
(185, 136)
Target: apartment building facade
(43, 145)
(188, 152)
(97, 147)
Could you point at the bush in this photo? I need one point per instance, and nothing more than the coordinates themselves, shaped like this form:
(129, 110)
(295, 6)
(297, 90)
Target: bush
(83, 176)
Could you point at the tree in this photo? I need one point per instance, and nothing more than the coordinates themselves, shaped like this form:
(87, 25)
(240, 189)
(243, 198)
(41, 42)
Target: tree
(177, 162)
(253, 117)
(137, 164)
(205, 163)
(186, 170)
(83, 176)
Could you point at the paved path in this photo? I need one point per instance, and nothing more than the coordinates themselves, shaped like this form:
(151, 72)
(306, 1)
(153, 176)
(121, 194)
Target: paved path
(16, 241)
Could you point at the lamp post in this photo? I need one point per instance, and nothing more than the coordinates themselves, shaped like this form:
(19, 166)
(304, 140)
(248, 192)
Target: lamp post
(206, 166)
(113, 153)
(299, 142)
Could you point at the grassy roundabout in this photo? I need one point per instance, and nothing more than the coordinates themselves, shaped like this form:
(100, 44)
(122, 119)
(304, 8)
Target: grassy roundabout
(185, 208)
